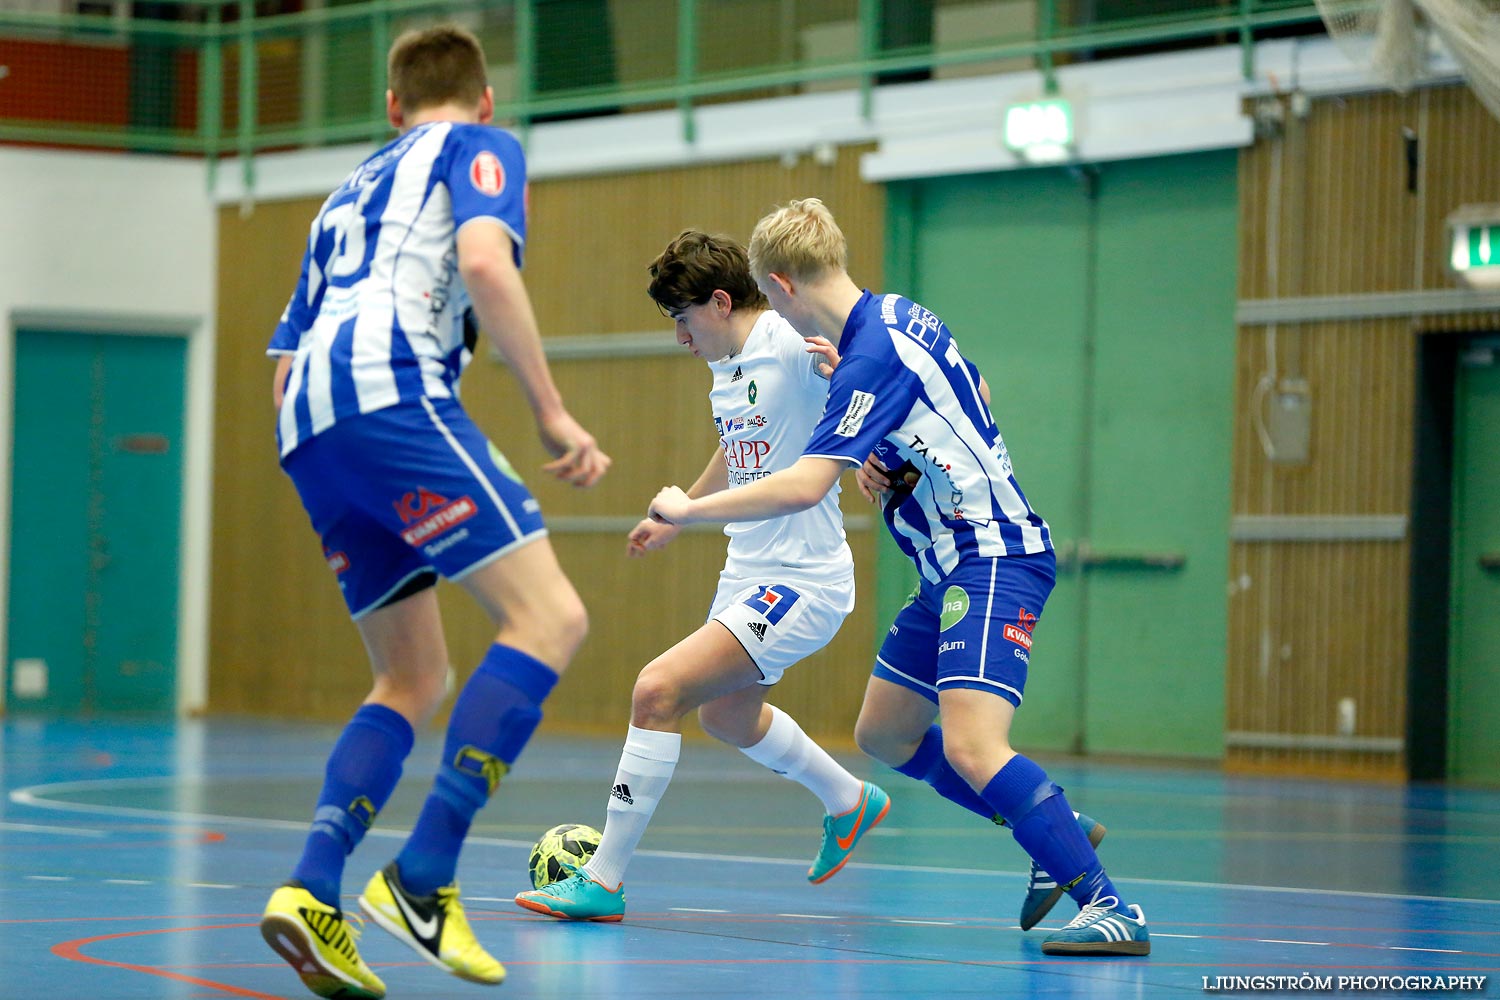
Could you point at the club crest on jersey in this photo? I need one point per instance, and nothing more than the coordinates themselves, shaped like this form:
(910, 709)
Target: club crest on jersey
(337, 561)
(773, 602)
(752, 393)
(486, 173)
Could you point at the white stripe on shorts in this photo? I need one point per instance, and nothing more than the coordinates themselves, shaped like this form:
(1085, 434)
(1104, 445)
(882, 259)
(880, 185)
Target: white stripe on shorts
(515, 529)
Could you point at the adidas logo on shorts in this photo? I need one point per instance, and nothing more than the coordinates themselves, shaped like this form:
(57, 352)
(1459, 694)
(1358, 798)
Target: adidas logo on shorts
(759, 628)
(622, 792)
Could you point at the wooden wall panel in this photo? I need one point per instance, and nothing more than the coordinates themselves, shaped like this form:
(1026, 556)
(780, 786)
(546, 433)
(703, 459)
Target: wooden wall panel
(1330, 207)
(280, 641)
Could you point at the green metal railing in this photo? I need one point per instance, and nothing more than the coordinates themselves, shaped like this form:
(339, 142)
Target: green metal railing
(224, 77)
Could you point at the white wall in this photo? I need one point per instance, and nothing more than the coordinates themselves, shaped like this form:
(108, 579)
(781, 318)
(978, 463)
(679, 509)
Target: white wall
(115, 242)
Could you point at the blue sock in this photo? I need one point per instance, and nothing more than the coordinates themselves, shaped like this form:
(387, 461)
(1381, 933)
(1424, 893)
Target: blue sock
(928, 764)
(362, 771)
(1044, 826)
(496, 713)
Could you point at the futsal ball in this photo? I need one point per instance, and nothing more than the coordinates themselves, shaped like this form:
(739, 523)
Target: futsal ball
(570, 843)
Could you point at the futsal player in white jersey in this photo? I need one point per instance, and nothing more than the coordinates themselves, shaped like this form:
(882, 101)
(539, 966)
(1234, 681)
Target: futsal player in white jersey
(787, 584)
(904, 398)
(401, 486)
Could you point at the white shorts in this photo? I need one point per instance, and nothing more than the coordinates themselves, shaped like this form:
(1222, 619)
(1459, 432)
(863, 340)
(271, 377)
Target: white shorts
(780, 623)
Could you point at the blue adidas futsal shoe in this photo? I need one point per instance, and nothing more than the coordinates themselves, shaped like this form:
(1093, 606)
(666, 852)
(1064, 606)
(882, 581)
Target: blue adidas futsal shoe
(1102, 928)
(842, 832)
(1043, 892)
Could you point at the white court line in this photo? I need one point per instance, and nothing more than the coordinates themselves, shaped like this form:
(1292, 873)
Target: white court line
(925, 923)
(1187, 937)
(50, 878)
(810, 916)
(126, 881)
(68, 831)
(1315, 944)
(211, 885)
(1438, 951)
(694, 909)
(35, 796)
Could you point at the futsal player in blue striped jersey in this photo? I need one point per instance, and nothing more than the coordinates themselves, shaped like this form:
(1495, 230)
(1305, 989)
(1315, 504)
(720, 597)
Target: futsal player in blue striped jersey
(422, 240)
(912, 413)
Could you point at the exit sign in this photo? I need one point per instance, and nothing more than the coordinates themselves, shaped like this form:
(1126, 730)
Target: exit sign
(1040, 131)
(1474, 245)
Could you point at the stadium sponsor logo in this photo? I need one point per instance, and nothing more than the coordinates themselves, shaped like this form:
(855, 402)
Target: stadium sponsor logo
(1018, 636)
(955, 606)
(440, 521)
(860, 405)
(486, 174)
(952, 646)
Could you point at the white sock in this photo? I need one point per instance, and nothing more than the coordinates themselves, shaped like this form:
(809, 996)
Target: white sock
(646, 767)
(788, 751)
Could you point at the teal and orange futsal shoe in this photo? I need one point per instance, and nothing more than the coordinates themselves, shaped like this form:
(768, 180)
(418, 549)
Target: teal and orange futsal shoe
(1043, 892)
(1103, 927)
(842, 832)
(577, 897)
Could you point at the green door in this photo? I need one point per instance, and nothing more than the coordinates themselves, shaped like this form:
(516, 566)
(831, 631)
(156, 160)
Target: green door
(1100, 308)
(96, 490)
(1474, 643)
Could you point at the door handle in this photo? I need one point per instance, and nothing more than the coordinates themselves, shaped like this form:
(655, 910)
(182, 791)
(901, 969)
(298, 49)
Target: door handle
(1079, 555)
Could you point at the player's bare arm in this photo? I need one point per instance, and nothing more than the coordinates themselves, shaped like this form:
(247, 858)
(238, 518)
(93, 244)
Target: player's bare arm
(278, 381)
(778, 494)
(488, 269)
(650, 535)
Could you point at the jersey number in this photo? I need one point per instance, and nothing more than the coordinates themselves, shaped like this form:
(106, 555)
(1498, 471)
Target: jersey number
(347, 223)
(956, 360)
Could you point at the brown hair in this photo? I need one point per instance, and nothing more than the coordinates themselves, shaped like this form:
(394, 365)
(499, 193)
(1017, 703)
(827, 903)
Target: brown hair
(800, 240)
(432, 66)
(694, 264)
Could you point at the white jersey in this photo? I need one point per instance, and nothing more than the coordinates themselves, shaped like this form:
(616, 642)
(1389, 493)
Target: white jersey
(766, 401)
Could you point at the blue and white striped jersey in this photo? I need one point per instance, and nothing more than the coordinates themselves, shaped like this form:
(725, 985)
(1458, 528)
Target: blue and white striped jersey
(378, 315)
(903, 391)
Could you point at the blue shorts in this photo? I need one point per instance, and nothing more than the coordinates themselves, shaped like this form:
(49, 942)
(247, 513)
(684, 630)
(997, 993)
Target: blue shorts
(404, 493)
(971, 630)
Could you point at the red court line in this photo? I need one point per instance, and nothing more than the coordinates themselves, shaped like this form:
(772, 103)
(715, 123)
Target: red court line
(73, 951)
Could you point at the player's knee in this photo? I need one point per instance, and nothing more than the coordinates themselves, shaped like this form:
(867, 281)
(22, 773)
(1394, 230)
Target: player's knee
(729, 724)
(416, 696)
(656, 700)
(879, 743)
(557, 630)
(976, 758)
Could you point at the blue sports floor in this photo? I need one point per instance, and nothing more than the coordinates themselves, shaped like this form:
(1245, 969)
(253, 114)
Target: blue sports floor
(135, 859)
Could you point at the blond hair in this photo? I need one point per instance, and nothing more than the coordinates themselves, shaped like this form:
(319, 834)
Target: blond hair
(799, 240)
